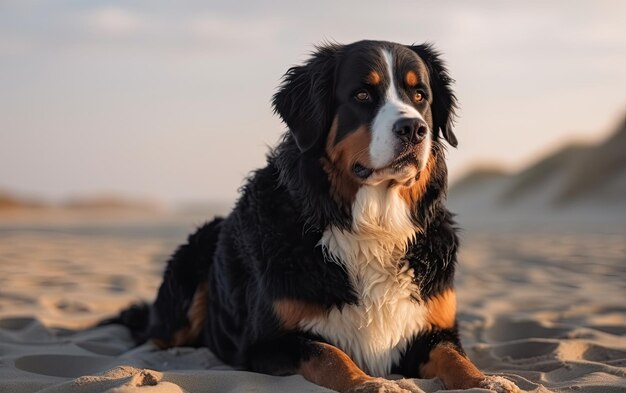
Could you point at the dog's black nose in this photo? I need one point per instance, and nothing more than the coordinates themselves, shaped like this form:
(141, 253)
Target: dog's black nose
(410, 130)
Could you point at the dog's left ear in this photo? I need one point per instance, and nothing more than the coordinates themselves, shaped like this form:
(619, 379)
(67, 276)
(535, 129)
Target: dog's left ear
(305, 97)
(444, 101)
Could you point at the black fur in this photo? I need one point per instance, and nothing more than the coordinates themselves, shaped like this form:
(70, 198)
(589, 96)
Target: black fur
(267, 248)
(305, 99)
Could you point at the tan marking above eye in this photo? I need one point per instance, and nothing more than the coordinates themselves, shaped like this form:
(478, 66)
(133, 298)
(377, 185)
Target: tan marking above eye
(373, 78)
(411, 78)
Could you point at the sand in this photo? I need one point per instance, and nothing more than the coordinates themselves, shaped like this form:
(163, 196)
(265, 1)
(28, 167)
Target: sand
(545, 310)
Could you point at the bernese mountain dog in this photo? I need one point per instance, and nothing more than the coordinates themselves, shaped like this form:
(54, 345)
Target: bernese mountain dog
(337, 261)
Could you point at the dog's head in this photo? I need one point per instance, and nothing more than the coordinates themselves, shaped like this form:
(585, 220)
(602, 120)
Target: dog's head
(373, 112)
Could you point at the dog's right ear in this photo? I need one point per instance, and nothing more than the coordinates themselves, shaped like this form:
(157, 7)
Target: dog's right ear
(305, 97)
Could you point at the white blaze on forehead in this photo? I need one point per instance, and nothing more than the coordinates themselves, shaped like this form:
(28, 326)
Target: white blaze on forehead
(384, 143)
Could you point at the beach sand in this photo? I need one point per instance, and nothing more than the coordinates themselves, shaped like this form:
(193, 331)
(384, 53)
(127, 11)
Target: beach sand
(546, 310)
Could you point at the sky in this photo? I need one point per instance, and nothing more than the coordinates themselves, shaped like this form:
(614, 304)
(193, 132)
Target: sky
(171, 100)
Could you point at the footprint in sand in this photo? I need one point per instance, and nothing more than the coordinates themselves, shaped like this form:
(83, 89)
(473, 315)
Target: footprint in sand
(101, 348)
(534, 348)
(507, 330)
(16, 323)
(72, 306)
(68, 366)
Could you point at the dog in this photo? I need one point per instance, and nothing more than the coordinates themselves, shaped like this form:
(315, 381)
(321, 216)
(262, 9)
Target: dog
(337, 261)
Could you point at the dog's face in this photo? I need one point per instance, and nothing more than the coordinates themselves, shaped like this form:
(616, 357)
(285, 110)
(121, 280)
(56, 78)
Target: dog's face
(382, 128)
(373, 110)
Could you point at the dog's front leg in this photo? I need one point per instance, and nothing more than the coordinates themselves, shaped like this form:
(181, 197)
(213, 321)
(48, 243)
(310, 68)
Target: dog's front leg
(320, 363)
(454, 369)
(447, 362)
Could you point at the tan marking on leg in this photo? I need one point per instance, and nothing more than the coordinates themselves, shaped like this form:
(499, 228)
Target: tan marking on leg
(411, 79)
(290, 312)
(455, 370)
(414, 193)
(196, 315)
(342, 155)
(161, 344)
(332, 368)
(442, 309)
(198, 310)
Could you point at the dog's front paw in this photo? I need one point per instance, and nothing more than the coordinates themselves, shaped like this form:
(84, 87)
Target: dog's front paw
(378, 385)
(499, 384)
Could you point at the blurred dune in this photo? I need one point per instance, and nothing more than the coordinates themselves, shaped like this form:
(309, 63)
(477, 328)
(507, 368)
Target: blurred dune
(104, 215)
(549, 170)
(10, 201)
(602, 168)
(577, 184)
(25, 211)
(110, 202)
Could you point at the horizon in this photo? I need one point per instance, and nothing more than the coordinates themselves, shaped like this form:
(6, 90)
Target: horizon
(102, 198)
(145, 100)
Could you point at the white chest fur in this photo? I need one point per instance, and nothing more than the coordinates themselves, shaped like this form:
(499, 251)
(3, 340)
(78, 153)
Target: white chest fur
(375, 331)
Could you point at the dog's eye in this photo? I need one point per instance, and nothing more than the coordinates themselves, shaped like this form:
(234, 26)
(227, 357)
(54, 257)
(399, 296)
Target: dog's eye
(362, 96)
(417, 97)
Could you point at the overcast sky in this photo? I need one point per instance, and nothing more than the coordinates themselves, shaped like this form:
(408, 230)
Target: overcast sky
(171, 100)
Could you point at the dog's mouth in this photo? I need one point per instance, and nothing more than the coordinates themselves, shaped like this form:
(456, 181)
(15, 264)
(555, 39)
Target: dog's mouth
(409, 159)
(400, 163)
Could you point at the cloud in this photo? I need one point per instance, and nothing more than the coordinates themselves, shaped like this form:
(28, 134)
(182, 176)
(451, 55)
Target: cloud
(234, 31)
(14, 45)
(111, 20)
